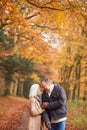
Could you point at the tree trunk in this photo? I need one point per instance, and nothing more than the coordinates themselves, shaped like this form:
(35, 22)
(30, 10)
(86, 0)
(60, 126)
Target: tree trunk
(11, 88)
(2, 86)
(15, 87)
(83, 78)
(20, 89)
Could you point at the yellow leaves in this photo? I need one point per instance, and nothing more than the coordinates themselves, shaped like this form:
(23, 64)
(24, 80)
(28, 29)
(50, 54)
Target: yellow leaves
(36, 51)
(35, 77)
(52, 18)
(83, 79)
(59, 18)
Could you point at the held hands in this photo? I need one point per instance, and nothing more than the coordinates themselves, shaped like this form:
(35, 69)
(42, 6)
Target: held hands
(44, 105)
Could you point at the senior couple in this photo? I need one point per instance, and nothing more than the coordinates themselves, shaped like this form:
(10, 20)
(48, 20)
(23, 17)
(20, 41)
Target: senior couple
(47, 103)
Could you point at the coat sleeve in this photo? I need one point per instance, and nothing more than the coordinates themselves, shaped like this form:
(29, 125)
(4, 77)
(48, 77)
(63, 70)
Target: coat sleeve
(45, 117)
(35, 108)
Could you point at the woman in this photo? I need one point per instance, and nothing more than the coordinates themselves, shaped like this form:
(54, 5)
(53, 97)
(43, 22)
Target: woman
(35, 109)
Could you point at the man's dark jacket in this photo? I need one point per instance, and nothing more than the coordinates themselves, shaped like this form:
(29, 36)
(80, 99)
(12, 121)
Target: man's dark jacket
(56, 104)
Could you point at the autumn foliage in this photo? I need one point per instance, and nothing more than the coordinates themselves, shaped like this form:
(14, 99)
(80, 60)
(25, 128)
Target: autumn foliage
(11, 112)
(53, 35)
(14, 114)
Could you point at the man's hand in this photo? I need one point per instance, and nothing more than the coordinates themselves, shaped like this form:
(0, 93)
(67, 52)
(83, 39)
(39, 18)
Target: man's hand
(48, 125)
(44, 105)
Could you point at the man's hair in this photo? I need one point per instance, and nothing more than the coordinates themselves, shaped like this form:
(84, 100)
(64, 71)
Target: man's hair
(47, 80)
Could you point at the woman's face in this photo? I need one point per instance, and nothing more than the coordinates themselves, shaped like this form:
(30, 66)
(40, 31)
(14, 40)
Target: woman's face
(39, 91)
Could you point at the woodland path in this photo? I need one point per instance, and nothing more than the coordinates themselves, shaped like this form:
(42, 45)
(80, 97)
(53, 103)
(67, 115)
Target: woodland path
(14, 114)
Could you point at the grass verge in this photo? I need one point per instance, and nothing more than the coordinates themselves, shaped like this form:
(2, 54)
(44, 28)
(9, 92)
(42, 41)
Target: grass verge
(77, 114)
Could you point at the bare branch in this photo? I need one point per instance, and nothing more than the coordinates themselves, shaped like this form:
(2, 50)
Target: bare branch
(31, 16)
(47, 7)
(45, 27)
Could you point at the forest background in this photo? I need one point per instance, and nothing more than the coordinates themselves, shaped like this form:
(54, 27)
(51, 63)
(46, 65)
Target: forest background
(40, 38)
(43, 37)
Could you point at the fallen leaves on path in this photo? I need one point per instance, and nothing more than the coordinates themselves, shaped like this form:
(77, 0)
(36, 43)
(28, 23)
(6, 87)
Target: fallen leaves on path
(11, 112)
(14, 114)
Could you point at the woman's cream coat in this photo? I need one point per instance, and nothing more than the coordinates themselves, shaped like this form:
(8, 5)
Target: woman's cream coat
(35, 111)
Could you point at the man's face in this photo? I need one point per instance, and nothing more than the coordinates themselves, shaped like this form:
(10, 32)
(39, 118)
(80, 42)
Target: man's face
(46, 86)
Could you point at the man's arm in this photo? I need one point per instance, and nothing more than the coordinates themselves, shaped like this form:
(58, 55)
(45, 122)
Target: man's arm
(45, 118)
(56, 104)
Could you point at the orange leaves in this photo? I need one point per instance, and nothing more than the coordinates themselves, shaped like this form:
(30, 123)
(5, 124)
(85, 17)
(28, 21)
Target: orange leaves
(24, 20)
(15, 25)
(11, 112)
(8, 8)
(12, 17)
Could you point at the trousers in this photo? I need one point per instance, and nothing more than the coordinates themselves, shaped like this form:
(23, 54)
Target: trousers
(58, 126)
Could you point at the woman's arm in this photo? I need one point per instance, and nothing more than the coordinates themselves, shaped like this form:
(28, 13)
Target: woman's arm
(35, 107)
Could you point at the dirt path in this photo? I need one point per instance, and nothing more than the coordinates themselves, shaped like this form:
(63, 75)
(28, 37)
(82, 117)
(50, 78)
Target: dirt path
(14, 114)
(24, 121)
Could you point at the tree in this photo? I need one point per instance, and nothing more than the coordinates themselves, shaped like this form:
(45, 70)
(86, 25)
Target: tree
(14, 66)
(43, 29)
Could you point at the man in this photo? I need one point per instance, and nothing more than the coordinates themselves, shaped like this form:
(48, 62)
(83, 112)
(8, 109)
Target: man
(54, 103)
